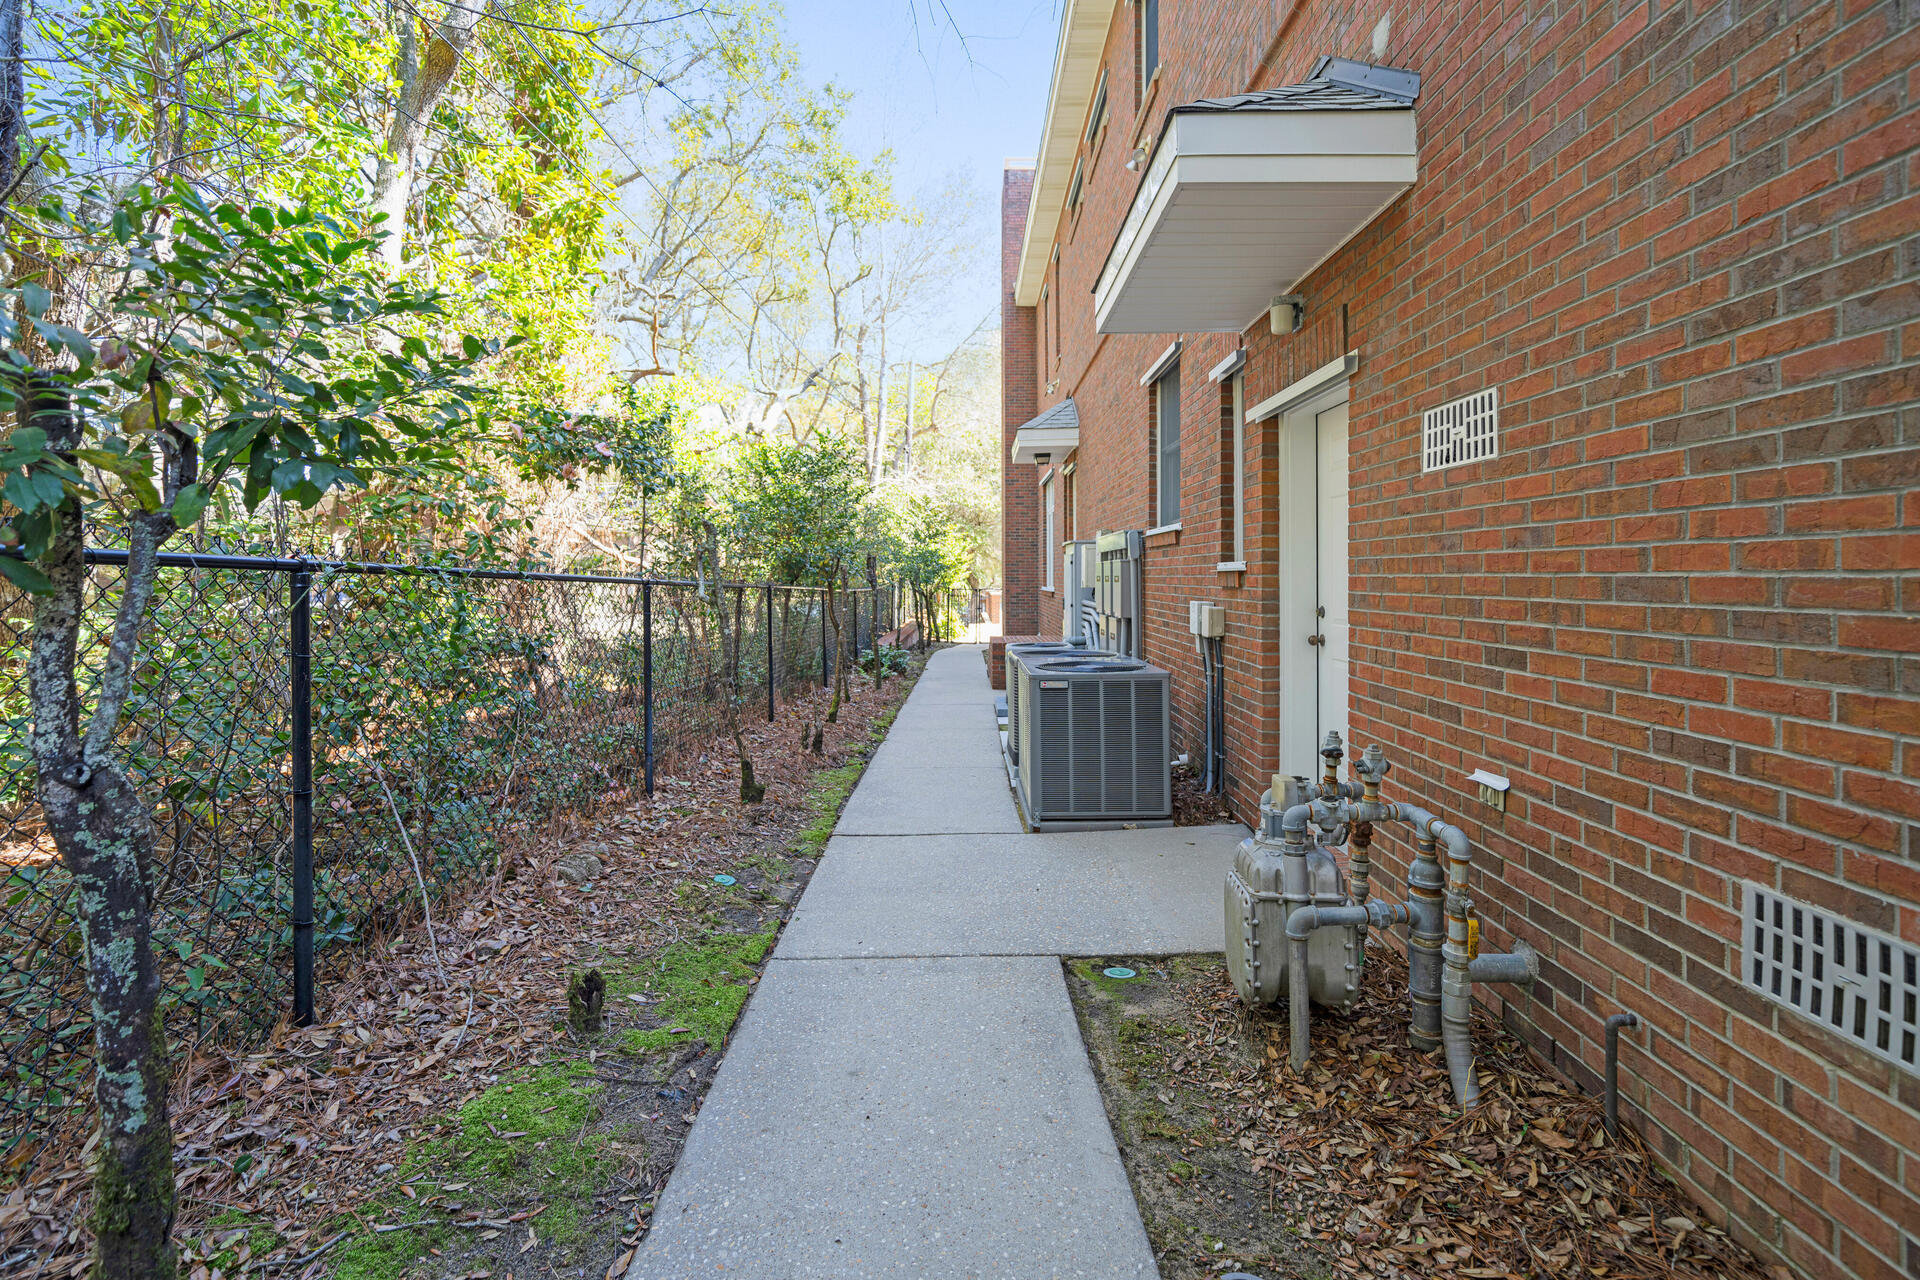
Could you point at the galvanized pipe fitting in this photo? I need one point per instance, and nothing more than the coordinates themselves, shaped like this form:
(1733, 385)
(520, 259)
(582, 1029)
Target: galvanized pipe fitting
(1520, 965)
(1425, 881)
(1300, 928)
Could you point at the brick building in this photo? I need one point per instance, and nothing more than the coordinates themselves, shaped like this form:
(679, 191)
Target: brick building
(1653, 272)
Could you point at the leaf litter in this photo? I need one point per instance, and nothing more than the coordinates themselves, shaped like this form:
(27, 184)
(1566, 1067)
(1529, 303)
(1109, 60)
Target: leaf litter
(1361, 1165)
(287, 1151)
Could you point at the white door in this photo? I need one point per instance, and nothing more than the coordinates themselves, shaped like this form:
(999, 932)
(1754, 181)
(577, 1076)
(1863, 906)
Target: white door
(1314, 664)
(1330, 516)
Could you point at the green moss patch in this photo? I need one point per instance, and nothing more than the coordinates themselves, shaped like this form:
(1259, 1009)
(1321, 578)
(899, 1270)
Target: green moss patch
(831, 787)
(525, 1141)
(702, 986)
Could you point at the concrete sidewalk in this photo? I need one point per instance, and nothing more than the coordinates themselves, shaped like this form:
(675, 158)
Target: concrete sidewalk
(907, 1094)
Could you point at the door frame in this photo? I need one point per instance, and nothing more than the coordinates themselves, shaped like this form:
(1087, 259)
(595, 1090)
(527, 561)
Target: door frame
(1296, 715)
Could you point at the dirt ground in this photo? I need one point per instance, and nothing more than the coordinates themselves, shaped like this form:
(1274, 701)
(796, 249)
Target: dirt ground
(1360, 1166)
(444, 1119)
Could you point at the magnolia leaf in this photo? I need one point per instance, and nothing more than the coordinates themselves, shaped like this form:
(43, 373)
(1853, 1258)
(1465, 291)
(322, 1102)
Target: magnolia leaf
(188, 505)
(25, 576)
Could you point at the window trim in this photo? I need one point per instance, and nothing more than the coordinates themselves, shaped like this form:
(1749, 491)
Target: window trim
(1097, 113)
(1162, 516)
(1147, 51)
(1046, 533)
(1073, 187)
(1239, 445)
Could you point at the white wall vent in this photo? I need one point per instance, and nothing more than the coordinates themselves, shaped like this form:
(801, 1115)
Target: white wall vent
(1858, 983)
(1463, 430)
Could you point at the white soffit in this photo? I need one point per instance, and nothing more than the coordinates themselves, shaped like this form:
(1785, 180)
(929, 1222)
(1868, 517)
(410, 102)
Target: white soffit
(1076, 69)
(1238, 206)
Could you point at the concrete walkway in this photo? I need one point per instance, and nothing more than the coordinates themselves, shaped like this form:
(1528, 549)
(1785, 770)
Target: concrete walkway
(907, 1094)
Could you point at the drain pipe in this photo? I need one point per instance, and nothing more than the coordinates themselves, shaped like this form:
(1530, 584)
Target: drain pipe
(1614, 1023)
(1220, 714)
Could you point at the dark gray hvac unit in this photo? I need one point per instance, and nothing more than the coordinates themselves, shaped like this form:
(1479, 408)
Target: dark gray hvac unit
(1016, 655)
(1095, 740)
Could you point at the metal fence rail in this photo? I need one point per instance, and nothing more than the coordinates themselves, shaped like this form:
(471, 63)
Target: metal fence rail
(291, 718)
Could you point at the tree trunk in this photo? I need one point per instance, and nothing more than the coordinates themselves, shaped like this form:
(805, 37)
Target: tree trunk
(833, 617)
(873, 587)
(424, 82)
(751, 791)
(105, 837)
(13, 94)
(846, 654)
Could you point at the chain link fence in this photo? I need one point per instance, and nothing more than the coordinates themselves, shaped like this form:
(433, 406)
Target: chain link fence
(306, 729)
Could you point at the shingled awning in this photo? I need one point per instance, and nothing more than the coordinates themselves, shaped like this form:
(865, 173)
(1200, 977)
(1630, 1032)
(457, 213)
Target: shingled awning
(1245, 196)
(1054, 432)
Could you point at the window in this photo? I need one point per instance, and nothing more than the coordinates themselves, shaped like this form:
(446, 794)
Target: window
(1046, 336)
(1166, 477)
(1071, 525)
(1233, 545)
(1149, 42)
(1097, 115)
(1046, 533)
(1056, 309)
(1073, 188)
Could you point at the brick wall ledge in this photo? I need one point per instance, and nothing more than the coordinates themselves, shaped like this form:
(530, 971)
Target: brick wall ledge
(1164, 536)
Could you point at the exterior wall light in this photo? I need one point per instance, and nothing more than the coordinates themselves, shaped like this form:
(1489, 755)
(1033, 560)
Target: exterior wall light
(1284, 315)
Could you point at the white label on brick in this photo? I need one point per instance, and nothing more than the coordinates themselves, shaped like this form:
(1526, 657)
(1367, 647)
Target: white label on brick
(1463, 430)
(1858, 983)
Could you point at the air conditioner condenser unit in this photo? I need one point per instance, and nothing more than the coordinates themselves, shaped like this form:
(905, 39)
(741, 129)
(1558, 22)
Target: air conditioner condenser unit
(1095, 741)
(1017, 654)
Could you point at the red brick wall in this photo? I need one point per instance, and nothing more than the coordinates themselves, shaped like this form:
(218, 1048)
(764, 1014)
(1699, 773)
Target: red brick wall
(1019, 493)
(1680, 609)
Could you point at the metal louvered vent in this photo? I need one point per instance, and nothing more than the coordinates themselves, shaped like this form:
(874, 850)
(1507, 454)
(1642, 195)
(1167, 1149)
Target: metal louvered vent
(1860, 984)
(1463, 430)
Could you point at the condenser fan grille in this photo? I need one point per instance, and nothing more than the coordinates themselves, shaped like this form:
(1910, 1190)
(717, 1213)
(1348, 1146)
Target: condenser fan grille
(1096, 744)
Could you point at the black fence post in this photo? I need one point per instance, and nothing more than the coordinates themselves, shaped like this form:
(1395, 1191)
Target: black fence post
(300, 687)
(646, 674)
(769, 653)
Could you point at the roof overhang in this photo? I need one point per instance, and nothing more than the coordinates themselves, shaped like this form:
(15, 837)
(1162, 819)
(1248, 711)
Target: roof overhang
(1241, 202)
(1076, 70)
(1052, 434)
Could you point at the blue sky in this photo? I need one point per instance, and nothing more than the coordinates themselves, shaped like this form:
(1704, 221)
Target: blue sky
(944, 106)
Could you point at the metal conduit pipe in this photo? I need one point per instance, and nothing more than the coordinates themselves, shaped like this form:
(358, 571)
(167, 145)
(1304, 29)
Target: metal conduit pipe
(1300, 927)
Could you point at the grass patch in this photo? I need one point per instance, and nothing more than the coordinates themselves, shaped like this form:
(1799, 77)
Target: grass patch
(702, 985)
